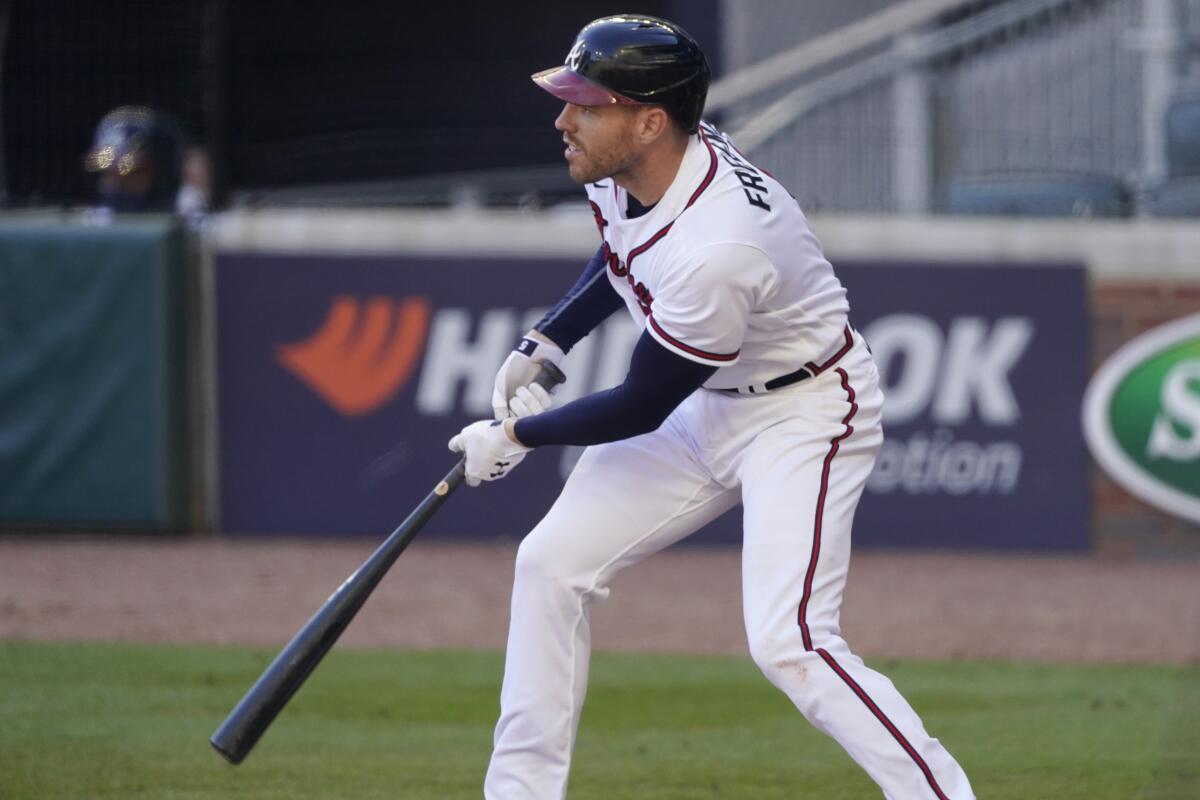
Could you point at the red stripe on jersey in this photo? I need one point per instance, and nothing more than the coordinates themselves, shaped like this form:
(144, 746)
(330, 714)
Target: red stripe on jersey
(704, 184)
(688, 348)
(712, 171)
(834, 445)
(805, 635)
(836, 357)
(646, 245)
(883, 720)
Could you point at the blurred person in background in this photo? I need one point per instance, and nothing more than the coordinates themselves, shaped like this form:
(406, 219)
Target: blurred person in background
(138, 157)
(195, 193)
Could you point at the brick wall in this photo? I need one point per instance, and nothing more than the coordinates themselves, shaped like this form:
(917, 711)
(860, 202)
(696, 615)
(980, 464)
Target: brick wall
(1123, 525)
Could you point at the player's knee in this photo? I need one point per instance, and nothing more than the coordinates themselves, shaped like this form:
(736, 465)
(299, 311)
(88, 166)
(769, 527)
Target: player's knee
(541, 561)
(532, 560)
(785, 664)
(555, 565)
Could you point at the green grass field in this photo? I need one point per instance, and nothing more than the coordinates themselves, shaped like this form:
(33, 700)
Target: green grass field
(116, 721)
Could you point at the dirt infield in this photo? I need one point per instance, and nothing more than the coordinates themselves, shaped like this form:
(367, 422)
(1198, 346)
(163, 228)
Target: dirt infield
(927, 606)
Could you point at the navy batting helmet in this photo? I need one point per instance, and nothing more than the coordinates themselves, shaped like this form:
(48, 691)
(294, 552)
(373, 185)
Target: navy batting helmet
(130, 139)
(633, 59)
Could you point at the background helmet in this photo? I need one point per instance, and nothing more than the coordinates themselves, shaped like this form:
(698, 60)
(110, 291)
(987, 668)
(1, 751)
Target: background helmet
(136, 138)
(633, 59)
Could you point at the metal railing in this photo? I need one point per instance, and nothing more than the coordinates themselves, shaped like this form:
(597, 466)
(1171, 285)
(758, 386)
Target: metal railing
(881, 115)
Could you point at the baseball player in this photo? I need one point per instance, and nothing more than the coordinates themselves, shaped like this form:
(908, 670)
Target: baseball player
(137, 157)
(747, 385)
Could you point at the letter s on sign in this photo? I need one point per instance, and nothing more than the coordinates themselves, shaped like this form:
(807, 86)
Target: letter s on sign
(1180, 408)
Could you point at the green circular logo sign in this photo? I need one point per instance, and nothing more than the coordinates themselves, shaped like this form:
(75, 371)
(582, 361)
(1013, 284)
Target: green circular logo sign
(1141, 416)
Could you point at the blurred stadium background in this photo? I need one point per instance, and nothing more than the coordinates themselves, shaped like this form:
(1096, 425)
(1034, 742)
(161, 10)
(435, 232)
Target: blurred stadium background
(1054, 138)
(1075, 107)
(202, 414)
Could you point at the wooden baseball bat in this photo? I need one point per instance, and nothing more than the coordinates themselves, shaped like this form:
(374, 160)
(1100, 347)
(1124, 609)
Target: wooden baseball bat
(244, 726)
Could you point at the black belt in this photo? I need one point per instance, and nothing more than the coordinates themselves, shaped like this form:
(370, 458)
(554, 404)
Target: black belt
(804, 373)
(801, 374)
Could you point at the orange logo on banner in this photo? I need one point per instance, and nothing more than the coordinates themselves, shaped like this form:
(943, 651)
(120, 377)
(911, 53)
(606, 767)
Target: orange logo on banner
(363, 353)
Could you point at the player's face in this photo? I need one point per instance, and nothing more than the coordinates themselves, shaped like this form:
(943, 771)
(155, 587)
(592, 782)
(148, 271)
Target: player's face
(599, 139)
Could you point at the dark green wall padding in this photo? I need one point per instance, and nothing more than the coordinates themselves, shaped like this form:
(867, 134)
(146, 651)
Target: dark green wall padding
(92, 370)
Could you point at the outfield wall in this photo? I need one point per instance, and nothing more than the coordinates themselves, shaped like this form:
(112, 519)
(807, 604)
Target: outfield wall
(986, 330)
(94, 400)
(330, 355)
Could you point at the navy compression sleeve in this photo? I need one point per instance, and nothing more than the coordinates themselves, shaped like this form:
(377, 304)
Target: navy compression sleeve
(658, 381)
(590, 301)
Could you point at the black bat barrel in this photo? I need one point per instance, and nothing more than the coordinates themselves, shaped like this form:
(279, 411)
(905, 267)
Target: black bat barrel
(242, 729)
(246, 723)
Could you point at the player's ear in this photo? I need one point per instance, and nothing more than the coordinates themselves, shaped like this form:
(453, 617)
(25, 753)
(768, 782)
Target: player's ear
(653, 123)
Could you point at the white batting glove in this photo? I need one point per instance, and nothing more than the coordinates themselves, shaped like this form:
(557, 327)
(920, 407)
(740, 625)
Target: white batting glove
(489, 451)
(519, 369)
(529, 400)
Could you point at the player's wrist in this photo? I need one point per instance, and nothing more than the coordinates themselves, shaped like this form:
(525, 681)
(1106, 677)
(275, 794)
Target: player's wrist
(537, 335)
(540, 347)
(510, 430)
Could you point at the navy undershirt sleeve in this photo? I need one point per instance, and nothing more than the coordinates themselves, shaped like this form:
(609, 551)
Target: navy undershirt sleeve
(658, 381)
(591, 300)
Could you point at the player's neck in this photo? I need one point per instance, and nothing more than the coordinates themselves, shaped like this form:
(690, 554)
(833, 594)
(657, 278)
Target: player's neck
(655, 172)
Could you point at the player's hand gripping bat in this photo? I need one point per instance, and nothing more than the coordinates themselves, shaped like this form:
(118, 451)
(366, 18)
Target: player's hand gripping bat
(267, 697)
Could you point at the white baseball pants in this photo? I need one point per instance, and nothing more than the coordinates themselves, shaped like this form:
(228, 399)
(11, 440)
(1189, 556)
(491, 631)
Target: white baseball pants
(798, 459)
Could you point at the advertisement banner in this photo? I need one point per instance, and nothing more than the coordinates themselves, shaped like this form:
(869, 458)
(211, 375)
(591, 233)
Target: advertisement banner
(983, 370)
(1142, 416)
(342, 377)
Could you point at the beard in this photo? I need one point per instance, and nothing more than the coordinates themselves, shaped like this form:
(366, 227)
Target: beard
(603, 161)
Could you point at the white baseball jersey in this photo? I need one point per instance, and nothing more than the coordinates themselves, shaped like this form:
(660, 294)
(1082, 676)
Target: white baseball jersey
(724, 269)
